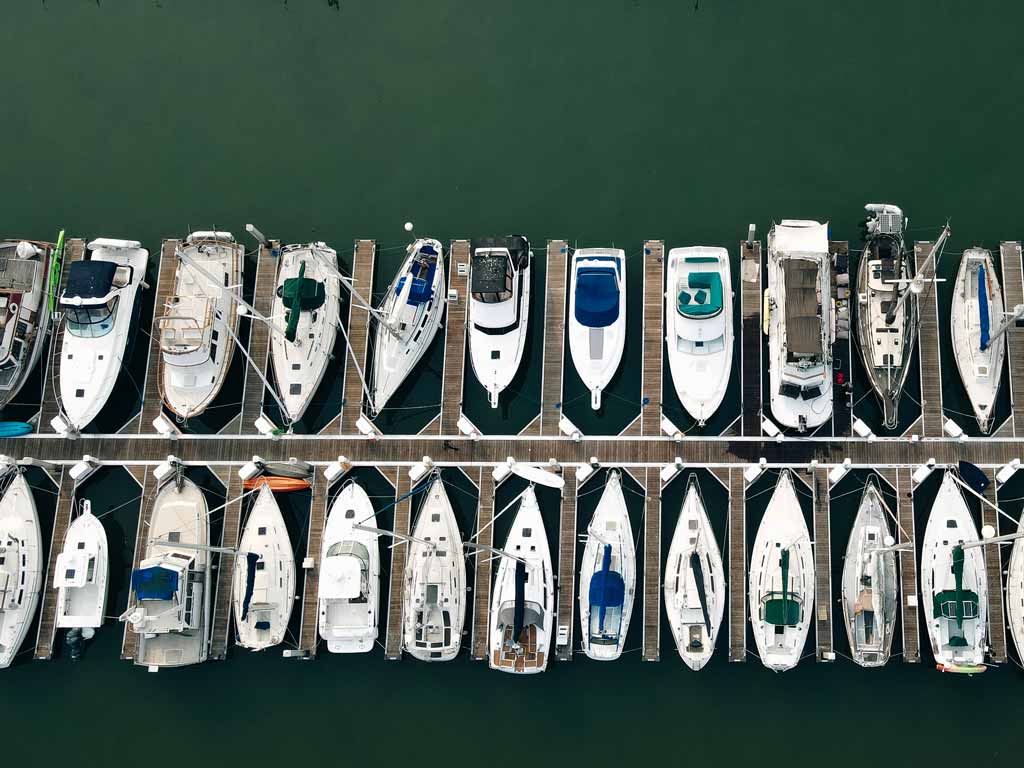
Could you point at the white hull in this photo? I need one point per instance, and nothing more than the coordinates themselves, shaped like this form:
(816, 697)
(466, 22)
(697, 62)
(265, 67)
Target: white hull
(597, 316)
(82, 569)
(1015, 590)
(21, 574)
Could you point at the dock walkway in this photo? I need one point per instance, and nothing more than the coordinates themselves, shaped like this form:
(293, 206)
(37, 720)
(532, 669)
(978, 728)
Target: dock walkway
(1013, 294)
(220, 635)
(899, 480)
(751, 335)
(737, 565)
(994, 572)
(652, 563)
(403, 517)
(554, 337)
(74, 250)
(822, 566)
(928, 349)
(259, 336)
(130, 641)
(456, 332)
(358, 330)
(654, 337)
(64, 511)
(311, 575)
(567, 565)
(483, 566)
(152, 403)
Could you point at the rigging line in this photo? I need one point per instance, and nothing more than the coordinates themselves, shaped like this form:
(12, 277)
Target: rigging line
(119, 506)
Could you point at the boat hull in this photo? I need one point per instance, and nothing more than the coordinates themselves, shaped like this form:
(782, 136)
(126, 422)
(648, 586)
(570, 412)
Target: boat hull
(595, 343)
(85, 606)
(22, 569)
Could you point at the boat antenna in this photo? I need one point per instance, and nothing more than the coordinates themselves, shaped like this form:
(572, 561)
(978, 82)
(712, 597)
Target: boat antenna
(917, 283)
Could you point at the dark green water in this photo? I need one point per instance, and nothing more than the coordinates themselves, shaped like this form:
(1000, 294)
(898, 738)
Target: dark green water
(607, 123)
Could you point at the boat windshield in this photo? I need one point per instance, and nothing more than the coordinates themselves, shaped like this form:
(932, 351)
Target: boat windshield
(492, 278)
(92, 322)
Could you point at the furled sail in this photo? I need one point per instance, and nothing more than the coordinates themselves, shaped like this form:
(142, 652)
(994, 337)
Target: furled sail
(983, 306)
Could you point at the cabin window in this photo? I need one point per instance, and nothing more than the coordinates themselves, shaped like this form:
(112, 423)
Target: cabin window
(92, 322)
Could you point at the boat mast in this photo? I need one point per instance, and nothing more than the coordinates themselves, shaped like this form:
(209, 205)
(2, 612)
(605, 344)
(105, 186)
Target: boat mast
(1008, 320)
(200, 547)
(402, 537)
(917, 282)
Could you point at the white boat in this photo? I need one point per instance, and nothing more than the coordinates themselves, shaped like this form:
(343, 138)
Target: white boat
(263, 589)
(434, 593)
(349, 594)
(523, 599)
(695, 593)
(597, 316)
(499, 310)
(169, 603)
(21, 566)
(699, 328)
(607, 576)
(408, 320)
(308, 300)
(954, 590)
(1015, 589)
(870, 591)
(199, 324)
(782, 580)
(99, 304)
(799, 307)
(81, 573)
(977, 307)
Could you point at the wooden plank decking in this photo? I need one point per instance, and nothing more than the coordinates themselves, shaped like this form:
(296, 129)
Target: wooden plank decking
(311, 575)
(994, 572)
(152, 403)
(1013, 294)
(130, 642)
(567, 564)
(48, 609)
(737, 565)
(651, 478)
(899, 479)
(220, 635)
(482, 578)
(654, 337)
(554, 337)
(928, 346)
(259, 336)
(74, 250)
(822, 567)
(403, 515)
(358, 331)
(751, 298)
(455, 338)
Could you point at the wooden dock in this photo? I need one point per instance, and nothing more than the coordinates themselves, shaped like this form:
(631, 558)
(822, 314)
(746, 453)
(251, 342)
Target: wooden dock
(311, 576)
(842, 349)
(152, 403)
(928, 348)
(259, 336)
(1013, 294)
(899, 480)
(994, 572)
(822, 566)
(654, 337)
(567, 564)
(482, 578)
(652, 563)
(403, 515)
(554, 337)
(737, 565)
(64, 511)
(751, 298)
(358, 330)
(74, 250)
(455, 338)
(130, 642)
(220, 634)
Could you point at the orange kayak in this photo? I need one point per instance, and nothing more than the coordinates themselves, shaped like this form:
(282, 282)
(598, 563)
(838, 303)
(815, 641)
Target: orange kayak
(277, 484)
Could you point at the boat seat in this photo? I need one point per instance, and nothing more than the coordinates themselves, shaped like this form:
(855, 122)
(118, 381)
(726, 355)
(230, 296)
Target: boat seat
(707, 298)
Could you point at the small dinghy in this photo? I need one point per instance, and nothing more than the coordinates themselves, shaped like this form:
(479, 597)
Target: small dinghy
(435, 581)
(308, 299)
(199, 325)
(408, 320)
(264, 577)
(523, 600)
(21, 566)
(81, 573)
(977, 308)
(607, 576)
(954, 590)
(499, 310)
(695, 594)
(597, 316)
(349, 574)
(100, 304)
(782, 580)
(870, 591)
(698, 327)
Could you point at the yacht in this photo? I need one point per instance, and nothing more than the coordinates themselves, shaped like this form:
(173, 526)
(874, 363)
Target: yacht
(799, 304)
(597, 316)
(523, 599)
(263, 588)
(199, 324)
(81, 573)
(21, 566)
(782, 580)
(607, 576)
(349, 594)
(698, 327)
(695, 594)
(870, 591)
(408, 320)
(499, 310)
(99, 304)
(1015, 589)
(434, 591)
(977, 307)
(169, 602)
(953, 583)
(308, 300)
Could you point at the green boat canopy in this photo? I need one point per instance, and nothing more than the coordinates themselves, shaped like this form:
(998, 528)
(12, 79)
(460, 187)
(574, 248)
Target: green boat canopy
(704, 297)
(300, 295)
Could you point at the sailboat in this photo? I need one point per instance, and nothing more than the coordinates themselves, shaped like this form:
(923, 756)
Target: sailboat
(308, 298)
(1015, 589)
(263, 590)
(694, 582)
(782, 580)
(408, 320)
(954, 590)
(169, 603)
(597, 316)
(698, 327)
(349, 594)
(799, 306)
(499, 310)
(434, 592)
(607, 576)
(870, 591)
(523, 598)
(81, 573)
(199, 324)
(977, 303)
(99, 304)
(21, 566)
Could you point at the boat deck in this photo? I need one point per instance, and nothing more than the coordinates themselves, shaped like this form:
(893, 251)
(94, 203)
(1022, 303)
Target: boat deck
(737, 565)
(48, 598)
(751, 298)
(74, 250)
(994, 573)
(403, 519)
(652, 563)
(311, 572)
(822, 566)
(456, 332)
(654, 337)
(363, 257)
(259, 336)
(928, 349)
(220, 633)
(483, 565)
(554, 337)
(1013, 294)
(567, 565)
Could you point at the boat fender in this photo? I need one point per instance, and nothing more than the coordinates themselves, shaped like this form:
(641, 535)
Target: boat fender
(26, 250)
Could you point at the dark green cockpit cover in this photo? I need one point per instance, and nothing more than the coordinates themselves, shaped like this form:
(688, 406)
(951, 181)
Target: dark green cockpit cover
(301, 294)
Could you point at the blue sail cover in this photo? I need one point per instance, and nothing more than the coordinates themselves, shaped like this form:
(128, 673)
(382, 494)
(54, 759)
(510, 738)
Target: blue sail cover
(607, 588)
(155, 583)
(983, 306)
(422, 288)
(251, 558)
(597, 297)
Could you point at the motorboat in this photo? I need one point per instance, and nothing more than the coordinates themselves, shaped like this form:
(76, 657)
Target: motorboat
(81, 573)
(695, 593)
(169, 602)
(782, 580)
(349, 594)
(308, 299)
(198, 327)
(434, 591)
(699, 327)
(597, 316)
(99, 306)
(263, 590)
(407, 320)
(954, 590)
(870, 590)
(21, 566)
(523, 598)
(607, 576)
(499, 310)
(799, 309)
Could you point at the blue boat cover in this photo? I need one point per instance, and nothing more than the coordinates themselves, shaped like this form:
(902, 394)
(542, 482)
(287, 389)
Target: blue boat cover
(974, 476)
(597, 297)
(607, 588)
(519, 614)
(983, 306)
(422, 288)
(154, 583)
(14, 428)
(251, 558)
(90, 279)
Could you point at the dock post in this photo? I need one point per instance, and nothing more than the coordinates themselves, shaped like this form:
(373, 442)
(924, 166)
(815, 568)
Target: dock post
(738, 564)
(455, 337)
(259, 335)
(751, 297)
(74, 250)
(822, 566)
(363, 257)
(567, 565)
(928, 349)
(1013, 293)
(994, 572)
(654, 337)
(48, 608)
(152, 402)
(403, 515)
(232, 522)
(554, 337)
(482, 578)
(311, 576)
(652, 563)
